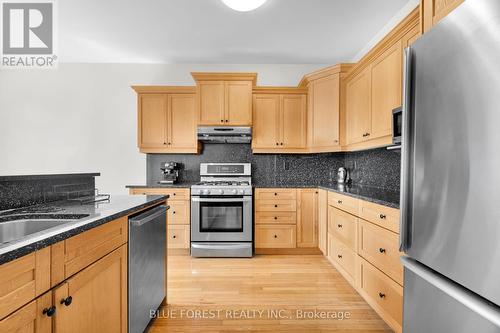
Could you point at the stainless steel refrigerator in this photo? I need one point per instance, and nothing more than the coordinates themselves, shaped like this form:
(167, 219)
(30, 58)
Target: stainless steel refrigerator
(450, 185)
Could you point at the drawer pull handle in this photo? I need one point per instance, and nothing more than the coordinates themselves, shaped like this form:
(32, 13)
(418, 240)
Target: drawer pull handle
(382, 216)
(276, 206)
(339, 201)
(339, 255)
(174, 194)
(275, 217)
(49, 312)
(339, 225)
(275, 193)
(277, 144)
(275, 236)
(174, 236)
(67, 301)
(381, 295)
(381, 250)
(173, 212)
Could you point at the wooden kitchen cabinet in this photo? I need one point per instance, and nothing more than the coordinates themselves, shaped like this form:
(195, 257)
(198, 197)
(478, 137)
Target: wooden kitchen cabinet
(97, 297)
(224, 99)
(167, 119)
(435, 10)
(31, 318)
(323, 221)
(358, 107)
(307, 217)
(279, 120)
(386, 90)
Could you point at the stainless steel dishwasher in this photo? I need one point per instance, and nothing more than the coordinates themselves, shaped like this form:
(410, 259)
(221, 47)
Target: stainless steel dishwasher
(146, 266)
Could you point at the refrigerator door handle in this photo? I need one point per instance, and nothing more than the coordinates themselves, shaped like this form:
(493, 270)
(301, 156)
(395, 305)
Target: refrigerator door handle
(404, 220)
(475, 303)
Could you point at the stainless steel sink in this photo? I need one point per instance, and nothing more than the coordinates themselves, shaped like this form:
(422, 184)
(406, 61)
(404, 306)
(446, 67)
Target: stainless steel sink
(19, 229)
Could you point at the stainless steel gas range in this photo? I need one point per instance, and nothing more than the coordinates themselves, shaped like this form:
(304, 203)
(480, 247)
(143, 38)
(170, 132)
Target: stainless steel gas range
(221, 211)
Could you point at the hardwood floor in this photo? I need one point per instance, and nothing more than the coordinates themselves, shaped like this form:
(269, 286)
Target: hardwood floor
(268, 293)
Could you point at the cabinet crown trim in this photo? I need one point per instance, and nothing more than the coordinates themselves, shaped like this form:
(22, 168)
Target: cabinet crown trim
(225, 76)
(331, 70)
(164, 89)
(279, 90)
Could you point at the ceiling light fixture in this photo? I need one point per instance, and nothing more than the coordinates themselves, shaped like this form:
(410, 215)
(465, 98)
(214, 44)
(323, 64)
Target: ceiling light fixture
(244, 5)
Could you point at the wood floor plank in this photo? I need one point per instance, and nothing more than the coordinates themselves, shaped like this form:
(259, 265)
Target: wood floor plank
(268, 293)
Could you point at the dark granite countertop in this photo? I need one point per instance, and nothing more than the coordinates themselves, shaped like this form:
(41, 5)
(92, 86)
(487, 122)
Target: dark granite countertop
(376, 195)
(157, 185)
(98, 214)
(48, 176)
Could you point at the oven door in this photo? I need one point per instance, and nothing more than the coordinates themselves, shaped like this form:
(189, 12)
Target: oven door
(221, 219)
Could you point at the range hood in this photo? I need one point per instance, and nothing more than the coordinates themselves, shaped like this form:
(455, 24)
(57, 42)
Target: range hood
(224, 134)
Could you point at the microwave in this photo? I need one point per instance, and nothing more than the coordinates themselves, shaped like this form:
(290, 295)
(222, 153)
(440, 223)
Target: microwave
(397, 125)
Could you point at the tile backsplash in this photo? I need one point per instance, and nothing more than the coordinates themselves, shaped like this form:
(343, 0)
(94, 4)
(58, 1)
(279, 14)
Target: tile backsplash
(376, 167)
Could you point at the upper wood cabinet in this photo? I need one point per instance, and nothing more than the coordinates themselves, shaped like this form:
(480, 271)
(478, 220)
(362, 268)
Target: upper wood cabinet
(326, 105)
(167, 119)
(434, 10)
(224, 98)
(358, 107)
(386, 89)
(374, 88)
(279, 123)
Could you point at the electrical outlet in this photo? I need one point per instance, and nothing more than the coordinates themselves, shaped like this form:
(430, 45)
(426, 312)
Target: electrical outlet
(286, 165)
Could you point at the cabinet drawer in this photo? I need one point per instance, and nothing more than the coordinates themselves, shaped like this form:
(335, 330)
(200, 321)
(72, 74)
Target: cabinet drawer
(383, 216)
(381, 248)
(84, 249)
(344, 202)
(30, 318)
(383, 294)
(275, 236)
(179, 212)
(343, 255)
(275, 194)
(276, 205)
(178, 237)
(343, 226)
(23, 279)
(275, 217)
(174, 193)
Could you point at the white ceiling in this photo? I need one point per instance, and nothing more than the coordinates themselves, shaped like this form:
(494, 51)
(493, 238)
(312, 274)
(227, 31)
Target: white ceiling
(206, 31)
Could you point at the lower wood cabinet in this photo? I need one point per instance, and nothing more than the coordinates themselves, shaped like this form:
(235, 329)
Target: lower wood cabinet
(307, 218)
(178, 216)
(31, 318)
(383, 294)
(275, 236)
(95, 299)
(343, 258)
(323, 221)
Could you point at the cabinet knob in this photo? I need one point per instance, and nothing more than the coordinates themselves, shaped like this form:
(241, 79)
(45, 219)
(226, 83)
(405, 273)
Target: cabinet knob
(222, 120)
(339, 255)
(339, 201)
(339, 225)
(381, 250)
(382, 216)
(49, 312)
(381, 295)
(174, 194)
(282, 143)
(173, 212)
(275, 193)
(275, 217)
(67, 301)
(277, 144)
(169, 143)
(174, 236)
(275, 236)
(276, 206)
(227, 121)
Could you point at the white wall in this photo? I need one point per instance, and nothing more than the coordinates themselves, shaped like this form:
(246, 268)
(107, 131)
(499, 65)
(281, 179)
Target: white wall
(82, 117)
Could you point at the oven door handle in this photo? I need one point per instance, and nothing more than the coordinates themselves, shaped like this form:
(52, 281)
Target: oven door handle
(244, 199)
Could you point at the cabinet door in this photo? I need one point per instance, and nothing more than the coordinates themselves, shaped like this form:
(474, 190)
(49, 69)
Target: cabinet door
(152, 120)
(358, 107)
(435, 10)
(293, 121)
(307, 218)
(266, 120)
(323, 221)
(98, 297)
(325, 111)
(386, 76)
(211, 102)
(30, 318)
(238, 103)
(411, 36)
(182, 121)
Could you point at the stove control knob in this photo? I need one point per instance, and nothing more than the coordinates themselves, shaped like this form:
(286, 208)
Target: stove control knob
(241, 191)
(205, 192)
(232, 191)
